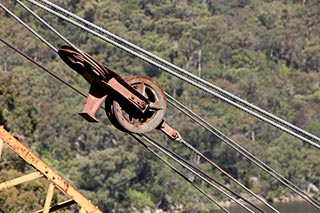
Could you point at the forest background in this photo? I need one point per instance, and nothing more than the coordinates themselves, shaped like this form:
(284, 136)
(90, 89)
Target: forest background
(266, 52)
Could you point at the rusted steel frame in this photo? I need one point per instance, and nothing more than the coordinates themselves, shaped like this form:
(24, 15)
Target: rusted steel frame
(97, 71)
(53, 177)
(20, 180)
(98, 92)
(60, 206)
(127, 94)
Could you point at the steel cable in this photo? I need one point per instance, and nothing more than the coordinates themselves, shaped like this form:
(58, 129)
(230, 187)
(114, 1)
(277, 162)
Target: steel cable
(179, 173)
(207, 176)
(78, 91)
(189, 168)
(242, 151)
(29, 28)
(61, 36)
(231, 99)
(189, 146)
(43, 68)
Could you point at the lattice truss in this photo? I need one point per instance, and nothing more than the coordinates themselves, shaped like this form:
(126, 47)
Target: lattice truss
(43, 171)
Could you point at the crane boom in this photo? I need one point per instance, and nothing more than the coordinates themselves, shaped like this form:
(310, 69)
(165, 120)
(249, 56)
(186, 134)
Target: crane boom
(43, 170)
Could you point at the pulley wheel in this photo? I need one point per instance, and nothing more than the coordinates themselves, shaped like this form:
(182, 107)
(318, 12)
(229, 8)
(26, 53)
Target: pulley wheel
(126, 118)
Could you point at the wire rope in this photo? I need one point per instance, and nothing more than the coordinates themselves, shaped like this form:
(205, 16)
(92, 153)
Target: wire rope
(58, 34)
(232, 97)
(54, 30)
(78, 91)
(29, 28)
(242, 151)
(179, 173)
(46, 24)
(189, 146)
(189, 168)
(43, 68)
(206, 175)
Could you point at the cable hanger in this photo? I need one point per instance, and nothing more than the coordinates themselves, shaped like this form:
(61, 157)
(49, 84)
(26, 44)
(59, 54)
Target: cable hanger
(285, 181)
(226, 96)
(20, 22)
(152, 151)
(55, 76)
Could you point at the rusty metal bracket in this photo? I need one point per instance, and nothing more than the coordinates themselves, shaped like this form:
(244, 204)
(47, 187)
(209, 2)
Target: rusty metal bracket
(169, 131)
(103, 80)
(94, 100)
(128, 95)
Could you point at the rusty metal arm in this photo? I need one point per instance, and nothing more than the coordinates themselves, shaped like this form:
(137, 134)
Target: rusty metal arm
(94, 100)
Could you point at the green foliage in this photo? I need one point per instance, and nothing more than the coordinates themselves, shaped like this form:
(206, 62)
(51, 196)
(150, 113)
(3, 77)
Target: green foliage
(266, 52)
(140, 200)
(15, 104)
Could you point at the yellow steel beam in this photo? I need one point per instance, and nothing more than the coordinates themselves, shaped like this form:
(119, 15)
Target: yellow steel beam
(82, 210)
(47, 204)
(19, 180)
(1, 147)
(44, 169)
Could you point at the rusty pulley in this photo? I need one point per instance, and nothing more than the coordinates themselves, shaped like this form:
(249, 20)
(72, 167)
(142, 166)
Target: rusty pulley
(128, 119)
(133, 104)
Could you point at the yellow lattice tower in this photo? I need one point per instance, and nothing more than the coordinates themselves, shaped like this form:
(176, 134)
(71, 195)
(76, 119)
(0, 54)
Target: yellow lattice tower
(43, 170)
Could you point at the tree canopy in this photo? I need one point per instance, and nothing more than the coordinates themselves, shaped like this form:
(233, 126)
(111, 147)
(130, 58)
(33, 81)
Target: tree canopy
(266, 52)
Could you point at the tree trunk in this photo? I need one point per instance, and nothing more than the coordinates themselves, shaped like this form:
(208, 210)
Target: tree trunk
(199, 62)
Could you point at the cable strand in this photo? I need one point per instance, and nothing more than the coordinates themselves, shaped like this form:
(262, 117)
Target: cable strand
(189, 168)
(234, 99)
(31, 1)
(242, 151)
(179, 172)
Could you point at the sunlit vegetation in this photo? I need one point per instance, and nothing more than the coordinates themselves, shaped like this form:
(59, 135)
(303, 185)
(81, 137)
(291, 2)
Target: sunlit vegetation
(266, 52)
